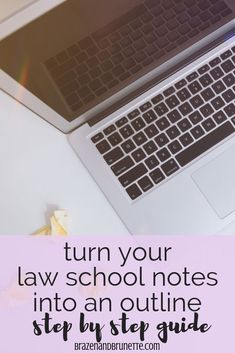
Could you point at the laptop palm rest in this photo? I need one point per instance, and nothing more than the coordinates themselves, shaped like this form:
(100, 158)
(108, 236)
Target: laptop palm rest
(216, 180)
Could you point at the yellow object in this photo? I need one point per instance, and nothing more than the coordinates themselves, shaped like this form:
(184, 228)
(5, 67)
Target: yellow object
(58, 224)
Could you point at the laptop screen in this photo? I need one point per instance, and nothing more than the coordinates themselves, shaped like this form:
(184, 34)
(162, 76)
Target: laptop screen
(83, 51)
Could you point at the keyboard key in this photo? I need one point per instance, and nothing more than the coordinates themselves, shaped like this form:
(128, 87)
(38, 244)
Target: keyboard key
(163, 154)
(184, 28)
(227, 66)
(95, 84)
(186, 139)
(145, 106)
(151, 49)
(115, 139)
(128, 146)
(170, 167)
(228, 95)
(133, 174)
(106, 66)
(100, 91)
(196, 101)
(140, 138)
(136, 69)
(146, 18)
(136, 23)
(157, 99)
(179, 7)
(151, 131)
(182, 18)
(195, 87)
(195, 117)
(204, 144)
(214, 62)
(218, 7)
(128, 63)
(112, 83)
(218, 87)
(147, 61)
(206, 110)
(138, 155)
(133, 114)
(184, 125)
(180, 84)
(157, 176)
(140, 56)
(226, 55)
(121, 122)
(161, 140)
(138, 124)
(216, 73)
(106, 78)
(173, 132)
(145, 183)
(133, 191)
(150, 147)
(183, 94)
(195, 22)
(161, 109)
(192, 76)
(175, 147)
(162, 123)
(58, 71)
(217, 103)
(207, 94)
(229, 80)
(109, 129)
(185, 108)
(203, 5)
(113, 156)
(151, 162)
(203, 69)
(122, 166)
(169, 91)
(208, 124)
(103, 146)
(174, 116)
(205, 80)
(149, 116)
(197, 132)
(230, 110)
(126, 131)
(172, 102)
(220, 117)
(97, 137)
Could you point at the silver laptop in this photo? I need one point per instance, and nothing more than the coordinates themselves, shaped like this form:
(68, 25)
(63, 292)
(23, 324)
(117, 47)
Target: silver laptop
(145, 90)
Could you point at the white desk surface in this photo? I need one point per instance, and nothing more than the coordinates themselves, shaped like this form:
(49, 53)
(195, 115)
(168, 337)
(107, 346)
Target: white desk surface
(39, 172)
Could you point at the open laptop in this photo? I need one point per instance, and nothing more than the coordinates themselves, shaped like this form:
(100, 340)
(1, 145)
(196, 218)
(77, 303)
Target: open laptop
(146, 91)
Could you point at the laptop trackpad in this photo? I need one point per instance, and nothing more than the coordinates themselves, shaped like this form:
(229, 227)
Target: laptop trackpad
(216, 180)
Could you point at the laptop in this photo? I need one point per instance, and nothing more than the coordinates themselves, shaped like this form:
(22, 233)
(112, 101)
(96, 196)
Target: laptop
(145, 90)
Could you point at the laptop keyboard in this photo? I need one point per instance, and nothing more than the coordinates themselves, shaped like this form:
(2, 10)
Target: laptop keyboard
(89, 69)
(161, 136)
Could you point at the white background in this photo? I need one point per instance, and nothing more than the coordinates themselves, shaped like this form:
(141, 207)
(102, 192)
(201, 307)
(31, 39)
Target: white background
(39, 172)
